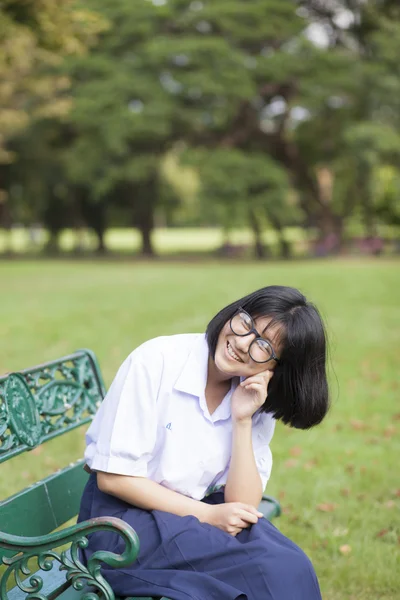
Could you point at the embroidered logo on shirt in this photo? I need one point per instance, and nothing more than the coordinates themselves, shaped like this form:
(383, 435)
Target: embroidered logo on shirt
(169, 426)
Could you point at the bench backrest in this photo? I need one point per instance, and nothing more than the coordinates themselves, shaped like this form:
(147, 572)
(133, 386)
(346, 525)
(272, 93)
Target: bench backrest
(36, 405)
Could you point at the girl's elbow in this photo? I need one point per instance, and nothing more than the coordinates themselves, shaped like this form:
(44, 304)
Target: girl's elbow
(104, 482)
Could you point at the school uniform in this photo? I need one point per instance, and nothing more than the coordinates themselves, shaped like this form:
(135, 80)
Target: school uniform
(154, 423)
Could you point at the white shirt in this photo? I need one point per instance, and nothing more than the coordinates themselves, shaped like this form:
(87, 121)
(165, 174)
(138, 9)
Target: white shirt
(154, 421)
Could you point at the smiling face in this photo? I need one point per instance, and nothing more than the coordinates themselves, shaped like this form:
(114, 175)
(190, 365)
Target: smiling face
(232, 357)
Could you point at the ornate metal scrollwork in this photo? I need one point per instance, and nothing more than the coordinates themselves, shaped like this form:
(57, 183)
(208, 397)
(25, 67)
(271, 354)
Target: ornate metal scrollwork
(24, 417)
(39, 403)
(77, 574)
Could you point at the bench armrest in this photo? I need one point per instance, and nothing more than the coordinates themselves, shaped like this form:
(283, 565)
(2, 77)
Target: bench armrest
(269, 507)
(77, 574)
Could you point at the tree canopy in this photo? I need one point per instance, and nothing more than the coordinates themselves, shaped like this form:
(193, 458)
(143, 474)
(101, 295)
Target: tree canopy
(287, 111)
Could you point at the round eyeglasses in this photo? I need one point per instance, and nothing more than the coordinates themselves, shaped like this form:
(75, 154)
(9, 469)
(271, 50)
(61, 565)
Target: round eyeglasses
(260, 350)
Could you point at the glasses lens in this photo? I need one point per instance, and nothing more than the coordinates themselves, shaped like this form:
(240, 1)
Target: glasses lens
(241, 323)
(260, 351)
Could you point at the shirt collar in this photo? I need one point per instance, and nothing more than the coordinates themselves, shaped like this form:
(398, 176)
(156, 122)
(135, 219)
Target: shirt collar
(193, 377)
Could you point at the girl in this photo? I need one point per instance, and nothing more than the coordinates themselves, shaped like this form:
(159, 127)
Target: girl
(179, 449)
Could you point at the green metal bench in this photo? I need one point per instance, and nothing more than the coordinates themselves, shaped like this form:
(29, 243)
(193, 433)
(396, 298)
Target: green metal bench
(40, 560)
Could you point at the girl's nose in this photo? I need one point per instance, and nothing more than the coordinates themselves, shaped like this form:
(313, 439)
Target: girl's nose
(243, 343)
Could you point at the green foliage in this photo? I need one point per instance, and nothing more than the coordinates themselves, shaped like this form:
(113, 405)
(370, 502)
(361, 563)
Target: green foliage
(234, 182)
(34, 36)
(245, 82)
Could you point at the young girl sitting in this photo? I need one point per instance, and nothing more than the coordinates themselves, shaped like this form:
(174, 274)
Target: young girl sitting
(179, 449)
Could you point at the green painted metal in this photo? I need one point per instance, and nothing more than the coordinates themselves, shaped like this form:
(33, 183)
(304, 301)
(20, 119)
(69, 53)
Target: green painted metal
(54, 583)
(52, 501)
(77, 574)
(42, 402)
(269, 507)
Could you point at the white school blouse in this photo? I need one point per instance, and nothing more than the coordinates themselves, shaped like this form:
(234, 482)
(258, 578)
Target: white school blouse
(154, 421)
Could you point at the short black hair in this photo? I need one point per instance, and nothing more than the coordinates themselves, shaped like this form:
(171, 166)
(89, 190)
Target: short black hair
(298, 393)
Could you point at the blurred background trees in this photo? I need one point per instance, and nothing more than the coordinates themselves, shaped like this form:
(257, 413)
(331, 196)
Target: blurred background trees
(261, 114)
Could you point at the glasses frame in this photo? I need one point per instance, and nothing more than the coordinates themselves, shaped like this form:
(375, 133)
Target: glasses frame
(258, 337)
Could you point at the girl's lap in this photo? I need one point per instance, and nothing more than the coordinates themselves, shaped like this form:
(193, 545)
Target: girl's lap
(180, 557)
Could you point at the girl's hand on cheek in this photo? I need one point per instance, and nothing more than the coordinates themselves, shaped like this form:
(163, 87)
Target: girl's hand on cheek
(250, 395)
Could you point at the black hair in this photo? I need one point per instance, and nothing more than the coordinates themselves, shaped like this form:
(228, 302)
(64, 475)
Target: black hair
(298, 392)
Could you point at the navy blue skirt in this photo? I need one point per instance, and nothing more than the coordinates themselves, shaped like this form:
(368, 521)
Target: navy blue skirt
(183, 559)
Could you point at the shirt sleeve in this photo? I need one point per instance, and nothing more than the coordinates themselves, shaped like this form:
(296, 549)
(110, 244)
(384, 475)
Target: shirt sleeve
(123, 433)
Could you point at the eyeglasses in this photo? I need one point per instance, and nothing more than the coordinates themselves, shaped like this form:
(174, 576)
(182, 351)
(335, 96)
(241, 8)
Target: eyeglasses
(260, 350)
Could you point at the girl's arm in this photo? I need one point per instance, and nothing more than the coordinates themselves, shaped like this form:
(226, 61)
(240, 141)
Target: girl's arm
(244, 482)
(149, 495)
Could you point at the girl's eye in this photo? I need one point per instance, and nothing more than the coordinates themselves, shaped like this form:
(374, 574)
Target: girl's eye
(246, 320)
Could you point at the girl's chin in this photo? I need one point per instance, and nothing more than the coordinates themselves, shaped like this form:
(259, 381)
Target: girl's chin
(228, 367)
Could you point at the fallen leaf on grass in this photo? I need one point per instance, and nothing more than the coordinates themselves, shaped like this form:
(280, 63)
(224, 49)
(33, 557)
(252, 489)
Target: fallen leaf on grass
(345, 492)
(389, 431)
(326, 506)
(350, 468)
(390, 504)
(292, 462)
(397, 493)
(287, 509)
(310, 465)
(382, 532)
(373, 441)
(340, 532)
(345, 549)
(358, 425)
(36, 451)
(396, 417)
(320, 545)
(295, 451)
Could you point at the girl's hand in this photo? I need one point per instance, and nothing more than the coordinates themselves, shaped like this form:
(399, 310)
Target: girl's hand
(232, 517)
(250, 395)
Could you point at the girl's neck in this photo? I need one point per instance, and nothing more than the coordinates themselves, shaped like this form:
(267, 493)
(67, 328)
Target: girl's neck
(215, 378)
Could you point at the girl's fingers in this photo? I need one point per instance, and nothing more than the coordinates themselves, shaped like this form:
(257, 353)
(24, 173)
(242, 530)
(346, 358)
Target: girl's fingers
(234, 531)
(259, 378)
(248, 517)
(257, 387)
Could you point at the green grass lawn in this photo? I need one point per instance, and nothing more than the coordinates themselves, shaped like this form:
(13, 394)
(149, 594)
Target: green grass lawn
(339, 484)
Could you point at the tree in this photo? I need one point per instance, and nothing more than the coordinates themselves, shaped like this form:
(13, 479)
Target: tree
(244, 189)
(34, 36)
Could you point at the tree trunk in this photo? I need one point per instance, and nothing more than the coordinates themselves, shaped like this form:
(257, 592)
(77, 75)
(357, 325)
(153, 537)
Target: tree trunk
(259, 248)
(5, 221)
(144, 203)
(53, 243)
(284, 246)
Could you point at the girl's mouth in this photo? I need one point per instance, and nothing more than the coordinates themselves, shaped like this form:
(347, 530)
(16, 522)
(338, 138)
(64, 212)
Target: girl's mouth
(231, 353)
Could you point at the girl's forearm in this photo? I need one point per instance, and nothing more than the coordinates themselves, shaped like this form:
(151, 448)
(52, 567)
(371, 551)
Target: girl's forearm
(149, 495)
(244, 482)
